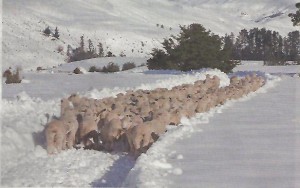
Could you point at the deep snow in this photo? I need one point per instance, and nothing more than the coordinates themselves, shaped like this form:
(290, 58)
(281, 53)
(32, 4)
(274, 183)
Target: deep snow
(256, 136)
(25, 162)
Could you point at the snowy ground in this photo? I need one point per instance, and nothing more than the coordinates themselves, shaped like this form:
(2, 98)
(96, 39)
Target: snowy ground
(237, 137)
(247, 143)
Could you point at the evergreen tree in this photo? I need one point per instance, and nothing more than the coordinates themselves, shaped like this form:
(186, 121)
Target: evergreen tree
(69, 50)
(194, 48)
(82, 43)
(101, 51)
(56, 34)
(110, 54)
(295, 17)
(294, 45)
(228, 41)
(47, 31)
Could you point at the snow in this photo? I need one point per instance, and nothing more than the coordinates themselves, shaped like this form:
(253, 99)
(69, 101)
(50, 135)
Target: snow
(25, 162)
(250, 142)
(128, 26)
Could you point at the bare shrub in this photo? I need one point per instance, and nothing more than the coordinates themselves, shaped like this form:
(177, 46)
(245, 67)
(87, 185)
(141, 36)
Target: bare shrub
(128, 65)
(95, 69)
(14, 77)
(40, 69)
(111, 67)
(60, 49)
(47, 31)
(77, 71)
(7, 73)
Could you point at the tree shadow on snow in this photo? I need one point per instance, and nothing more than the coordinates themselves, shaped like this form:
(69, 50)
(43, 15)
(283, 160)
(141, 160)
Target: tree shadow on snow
(117, 173)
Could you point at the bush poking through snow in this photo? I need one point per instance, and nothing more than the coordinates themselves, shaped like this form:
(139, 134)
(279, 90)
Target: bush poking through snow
(13, 78)
(60, 48)
(39, 69)
(110, 54)
(7, 73)
(77, 71)
(56, 34)
(47, 31)
(128, 65)
(111, 67)
(94, 69)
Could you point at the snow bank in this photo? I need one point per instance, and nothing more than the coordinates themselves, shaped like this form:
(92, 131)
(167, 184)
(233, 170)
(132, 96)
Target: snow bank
(179, 79)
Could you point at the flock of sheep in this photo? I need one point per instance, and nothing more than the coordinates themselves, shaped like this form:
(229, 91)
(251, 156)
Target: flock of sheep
(136, 119)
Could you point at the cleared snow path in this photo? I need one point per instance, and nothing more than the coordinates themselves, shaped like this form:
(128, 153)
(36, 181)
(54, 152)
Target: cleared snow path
(252, 144)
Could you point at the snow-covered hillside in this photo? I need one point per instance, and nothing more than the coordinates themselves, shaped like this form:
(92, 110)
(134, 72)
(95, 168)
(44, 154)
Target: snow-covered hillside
(131, 26)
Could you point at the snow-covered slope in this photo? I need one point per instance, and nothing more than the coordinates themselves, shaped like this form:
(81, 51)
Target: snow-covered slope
(131, 26)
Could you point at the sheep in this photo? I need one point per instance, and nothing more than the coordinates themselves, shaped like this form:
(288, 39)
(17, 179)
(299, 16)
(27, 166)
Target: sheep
(64, 106)
(75, 100)
(60, 133)
(88, 128)
(212, 83)
(203, 105)
(139, 138)
(129, 121)
(149, 112)
(117, 108)
(111, 132)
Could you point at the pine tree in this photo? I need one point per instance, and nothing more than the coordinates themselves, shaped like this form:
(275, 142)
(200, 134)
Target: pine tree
(294, 45)
(69, 50)
(228, 41)
(56, 34)
(47, 31)
(82, 43)
(194, 48)
(101, 51)
(295, 17)
(110, 54)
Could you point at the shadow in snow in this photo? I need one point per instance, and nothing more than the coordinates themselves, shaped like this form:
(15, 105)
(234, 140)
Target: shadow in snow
(39, 139)
(117, 173)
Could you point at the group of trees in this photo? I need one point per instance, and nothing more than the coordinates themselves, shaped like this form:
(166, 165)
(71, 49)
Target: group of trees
(193, 48)
(47, 31)
(264, 45)
(295, 17)
(196, 48)
(81, 52)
